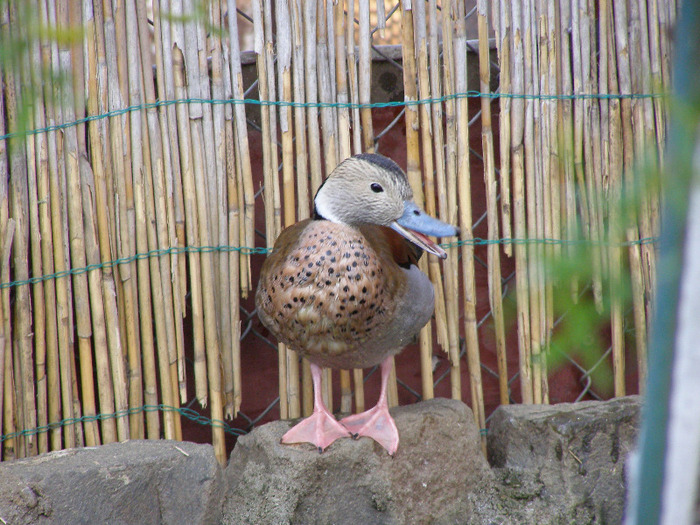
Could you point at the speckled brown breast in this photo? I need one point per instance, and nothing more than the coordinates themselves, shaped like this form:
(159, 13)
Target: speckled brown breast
(330, 291)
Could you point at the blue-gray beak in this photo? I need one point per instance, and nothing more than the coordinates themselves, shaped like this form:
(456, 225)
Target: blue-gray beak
(415, 225)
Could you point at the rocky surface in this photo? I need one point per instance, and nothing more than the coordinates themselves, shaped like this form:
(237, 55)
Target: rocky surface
(436, 474)
(549, 465)
(564, 463)
(139, 482)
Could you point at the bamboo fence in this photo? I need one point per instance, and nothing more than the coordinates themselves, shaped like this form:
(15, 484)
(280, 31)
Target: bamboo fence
(116, 170)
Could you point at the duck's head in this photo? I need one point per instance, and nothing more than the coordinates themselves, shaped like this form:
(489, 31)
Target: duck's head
(373, 189)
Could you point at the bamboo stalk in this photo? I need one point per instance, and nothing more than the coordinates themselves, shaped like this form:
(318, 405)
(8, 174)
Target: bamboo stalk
(514, 19)
(284, 60)
(126, 292)
(326, 86)
(135, 276)
(40, 318)
(200, 129)
(427, 132)
(262, 12)
(200, 133)
(591, 146)
(166, 299)
(7, 419)
(632, 231)
(644, 137)
(7, 229)
(234, 239)
(107, 353)
(269, 169)
(150, 289)
(192, 231)
(494, 261)
(639, 15)
(544, 194)
(169, 202)
(614, 164)
(300, 141)
(503, 42)
(648, 208)
(300, 33)
(272, 96)
(314, 142)
(420, 64)
(78, 258)
(657, 23)
(565, 124)
(311, 87)
(345, 75)
(352, 77)
(341, 77)
(210, 332)
(381, 17)
(156, 231)
(272, 184)
(533, 182)
(79, 433)
(450, 190)
(578, 123)
(98, 204)
(284, 72)
(243, 157)
(166, 91)
(413, 166)
(58, 229)
(465, 219)
(225, 159)
(553, 107)
(552, 174)
(365, 78)
(23, 361)
(44, 299)
(8, 232)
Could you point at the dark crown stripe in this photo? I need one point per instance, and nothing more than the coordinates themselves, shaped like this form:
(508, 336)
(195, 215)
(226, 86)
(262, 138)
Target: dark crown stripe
(382, 162)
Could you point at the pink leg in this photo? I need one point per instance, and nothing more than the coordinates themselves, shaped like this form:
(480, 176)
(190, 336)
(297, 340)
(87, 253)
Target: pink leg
(377, 423)
(321, 428)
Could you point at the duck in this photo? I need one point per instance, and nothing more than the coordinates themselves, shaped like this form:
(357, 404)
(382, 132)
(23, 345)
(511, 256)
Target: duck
(344, 290)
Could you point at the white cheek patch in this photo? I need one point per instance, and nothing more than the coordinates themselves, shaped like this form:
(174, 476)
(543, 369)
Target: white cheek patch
(325, 210)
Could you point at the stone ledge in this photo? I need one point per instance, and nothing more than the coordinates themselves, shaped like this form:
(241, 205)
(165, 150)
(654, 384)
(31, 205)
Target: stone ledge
(437, 471)
(139, 482)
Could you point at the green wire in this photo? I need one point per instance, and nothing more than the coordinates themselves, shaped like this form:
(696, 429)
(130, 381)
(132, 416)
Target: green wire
(263, 251)
(183, 411)
(349, 105)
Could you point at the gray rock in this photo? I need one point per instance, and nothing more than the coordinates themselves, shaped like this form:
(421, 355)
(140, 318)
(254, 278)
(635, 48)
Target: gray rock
(435, 477)
(556, 464)
(563, 463)
(136, 482)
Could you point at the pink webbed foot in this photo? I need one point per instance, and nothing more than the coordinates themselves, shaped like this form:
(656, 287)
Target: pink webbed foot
(320, 429)
(375, 423)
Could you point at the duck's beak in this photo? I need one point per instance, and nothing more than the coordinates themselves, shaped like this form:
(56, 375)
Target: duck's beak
(415, 225)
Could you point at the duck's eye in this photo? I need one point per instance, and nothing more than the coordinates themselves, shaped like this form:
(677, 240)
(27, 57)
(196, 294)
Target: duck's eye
(376, 187)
